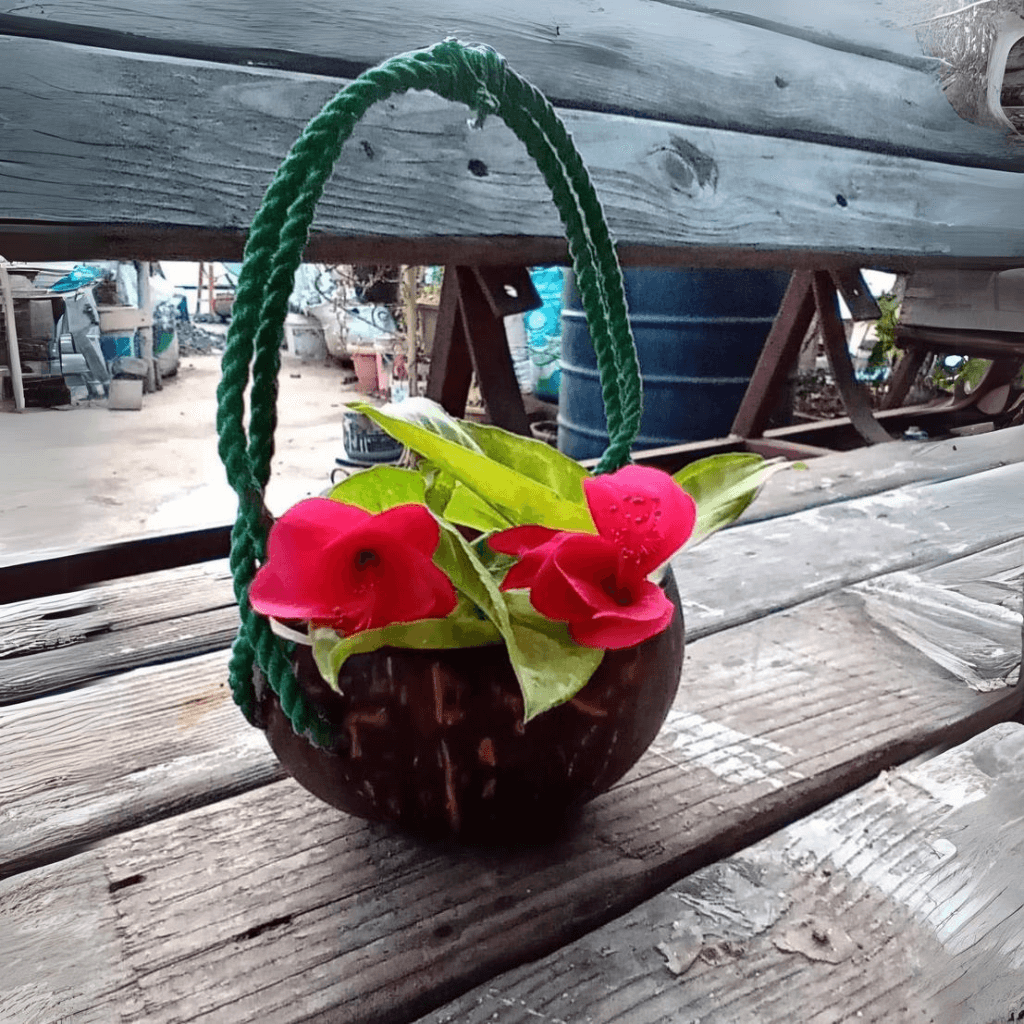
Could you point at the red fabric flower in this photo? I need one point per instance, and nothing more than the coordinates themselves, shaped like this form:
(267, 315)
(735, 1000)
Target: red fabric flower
(599, 585)
(339, 565)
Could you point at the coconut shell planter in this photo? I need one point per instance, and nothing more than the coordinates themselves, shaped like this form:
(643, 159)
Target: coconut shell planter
(476, 645)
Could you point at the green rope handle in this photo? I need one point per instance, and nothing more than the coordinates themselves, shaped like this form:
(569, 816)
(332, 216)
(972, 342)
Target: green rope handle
(480, 78)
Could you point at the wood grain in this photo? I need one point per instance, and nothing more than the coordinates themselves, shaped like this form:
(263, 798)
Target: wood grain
(146, 620)
(50, 917)
(142, 745)
(901, 901)
(672, 193)
(270, 907)
(43, 624)
(763, 73)
(63, 641)
(841, 476)
(776, 563)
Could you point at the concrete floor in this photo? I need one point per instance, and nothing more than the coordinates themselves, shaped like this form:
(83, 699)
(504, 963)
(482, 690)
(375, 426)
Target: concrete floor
(85, 476)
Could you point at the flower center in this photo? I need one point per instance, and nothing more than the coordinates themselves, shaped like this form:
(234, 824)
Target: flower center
(620, 595)
(366, 558)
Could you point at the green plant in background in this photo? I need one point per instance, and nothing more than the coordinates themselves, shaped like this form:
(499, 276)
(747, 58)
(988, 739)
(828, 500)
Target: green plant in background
(885, 329)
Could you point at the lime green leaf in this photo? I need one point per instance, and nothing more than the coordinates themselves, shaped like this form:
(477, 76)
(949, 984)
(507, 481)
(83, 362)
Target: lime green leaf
(723, 486)
(439, 487)
(380, 488)
(467, 508)
(456, 558)
(425, 413)
(462, 628)
(535, 459)
(514, 495)
(551, 667)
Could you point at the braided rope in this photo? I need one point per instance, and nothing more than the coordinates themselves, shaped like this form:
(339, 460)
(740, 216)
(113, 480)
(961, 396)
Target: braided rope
(479, 78)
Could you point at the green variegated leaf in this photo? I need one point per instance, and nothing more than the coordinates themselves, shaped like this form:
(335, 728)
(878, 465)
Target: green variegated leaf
(516, 496)
(380, 488)
(425, 413)
(551, 667)
(467, 508)
(464, 627)
(532, 458)
(723, 486)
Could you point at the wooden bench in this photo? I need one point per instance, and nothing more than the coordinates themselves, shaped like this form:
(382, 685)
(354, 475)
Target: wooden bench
(157, 866)
(149, 817)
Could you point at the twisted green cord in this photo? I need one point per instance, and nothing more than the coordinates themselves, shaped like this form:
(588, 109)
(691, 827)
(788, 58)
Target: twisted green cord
(479, 78)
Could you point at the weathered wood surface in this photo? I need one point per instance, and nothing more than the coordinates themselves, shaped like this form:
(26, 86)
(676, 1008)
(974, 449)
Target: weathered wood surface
(268, 906)
(762, 71)
(140, 746)
(899, 902)
(746, 571)
(63, 641)
(196, 144)
(841, 476)
(43, 574)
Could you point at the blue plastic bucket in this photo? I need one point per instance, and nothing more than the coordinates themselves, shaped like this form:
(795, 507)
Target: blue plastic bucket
(699, 334)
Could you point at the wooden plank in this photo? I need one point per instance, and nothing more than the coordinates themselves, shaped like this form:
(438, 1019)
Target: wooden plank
(846, 532)
(761, 72)
(133, 748)
(58, 642)
(49, 916)
(856, 294)
(969, 342)
(970, 624)
(964, 301)
(268, 906)
(814, 552)
(903, 376)
(165, 640)
(484, 332)
(674, 193)
(777, 357)
(451, 368)
(901, 901)
(44, 624)
(855, 399)
(842, 476)
(20, 581)
(807, 554)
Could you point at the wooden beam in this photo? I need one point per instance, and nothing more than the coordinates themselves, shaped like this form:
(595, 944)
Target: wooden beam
(24, 580)
(777, 358)
(671, 191)
(484, 331)
(856, 294)
(451, 369)
(604, 58)
(903, 375)
(858, 408)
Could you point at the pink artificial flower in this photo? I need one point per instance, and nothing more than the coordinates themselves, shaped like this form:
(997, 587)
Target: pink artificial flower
(598, 584)
(341, 566)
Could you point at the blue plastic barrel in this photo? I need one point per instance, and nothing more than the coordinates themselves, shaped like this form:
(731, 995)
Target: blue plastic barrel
(699, 334)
